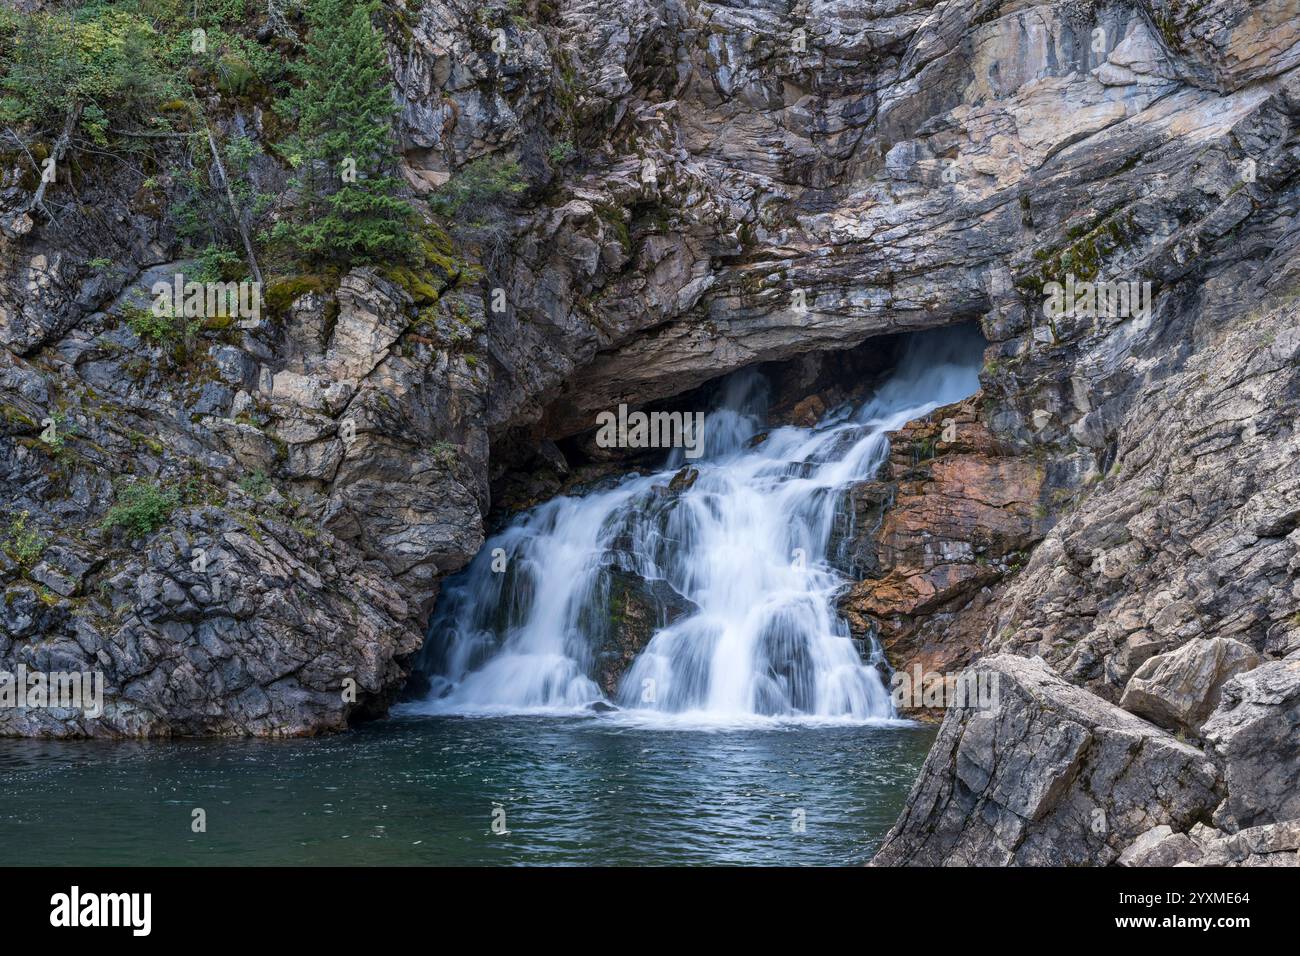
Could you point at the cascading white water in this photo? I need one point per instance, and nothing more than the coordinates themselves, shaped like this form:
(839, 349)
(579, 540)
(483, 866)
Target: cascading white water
(744, 549)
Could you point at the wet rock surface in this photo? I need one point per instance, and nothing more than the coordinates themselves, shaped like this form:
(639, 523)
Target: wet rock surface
(634, 609)
(948, 519)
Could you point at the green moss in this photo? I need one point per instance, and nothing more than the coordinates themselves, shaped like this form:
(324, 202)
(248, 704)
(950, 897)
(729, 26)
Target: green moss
(281, 293)
(1084, 256)
(15, 416)
(439, 251)
(614, 217)
(153, 444)
(415, 283)
(437, 269)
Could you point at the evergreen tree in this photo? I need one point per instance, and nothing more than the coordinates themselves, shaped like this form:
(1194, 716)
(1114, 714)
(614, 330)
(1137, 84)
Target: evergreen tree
(349, 211)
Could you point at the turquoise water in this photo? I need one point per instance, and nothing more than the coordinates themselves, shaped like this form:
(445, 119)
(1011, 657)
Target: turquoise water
(424, 791)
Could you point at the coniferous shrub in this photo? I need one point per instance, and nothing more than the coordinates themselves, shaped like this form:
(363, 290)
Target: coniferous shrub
(349, 210)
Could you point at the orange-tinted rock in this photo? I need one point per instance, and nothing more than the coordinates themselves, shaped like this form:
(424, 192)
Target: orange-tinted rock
(808, 412)
(962, 515)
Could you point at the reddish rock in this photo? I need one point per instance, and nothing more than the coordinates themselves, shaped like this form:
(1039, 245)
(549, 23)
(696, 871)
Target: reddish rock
(960, 517)
(808, 412)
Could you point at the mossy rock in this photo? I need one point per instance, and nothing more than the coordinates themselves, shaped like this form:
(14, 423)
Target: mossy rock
(1088, 251)
(416, 284)
(15, 416)
(437, 270)
(281, 293)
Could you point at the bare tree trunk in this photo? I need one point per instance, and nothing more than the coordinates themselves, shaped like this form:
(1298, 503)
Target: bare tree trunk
(234, 208)
(60, 148)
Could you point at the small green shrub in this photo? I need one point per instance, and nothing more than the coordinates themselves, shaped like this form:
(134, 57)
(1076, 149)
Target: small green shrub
(25, 545)
(257, 484)
(478, 191)
(165, 329)
(141, 508)
(215, 264)
(561, 152)
(445, 453)
(158, 329)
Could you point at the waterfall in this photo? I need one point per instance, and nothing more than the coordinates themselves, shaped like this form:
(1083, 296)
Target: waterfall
(741, 555)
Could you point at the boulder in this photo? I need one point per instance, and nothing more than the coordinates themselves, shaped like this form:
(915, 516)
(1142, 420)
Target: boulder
(1271, 844)
(1160, 846)
(1049, 775)
(1180, 690)
(1255, 733)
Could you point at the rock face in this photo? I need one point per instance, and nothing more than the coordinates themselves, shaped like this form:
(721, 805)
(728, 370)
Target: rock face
(293, 579)
(1180, 689)
(1255, 732)
(251, 638)
(745, 182)
(1051, 775)
(1151, 557)
(948, 518)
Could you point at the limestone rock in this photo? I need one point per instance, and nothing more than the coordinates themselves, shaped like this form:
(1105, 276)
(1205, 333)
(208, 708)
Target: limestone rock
(1271, 844)
(1160, 846)
(1255, 732)
(1050, 775)
(1180, 690)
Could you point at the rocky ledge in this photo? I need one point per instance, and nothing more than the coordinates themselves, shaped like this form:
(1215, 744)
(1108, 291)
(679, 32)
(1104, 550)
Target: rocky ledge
(1051, 774)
